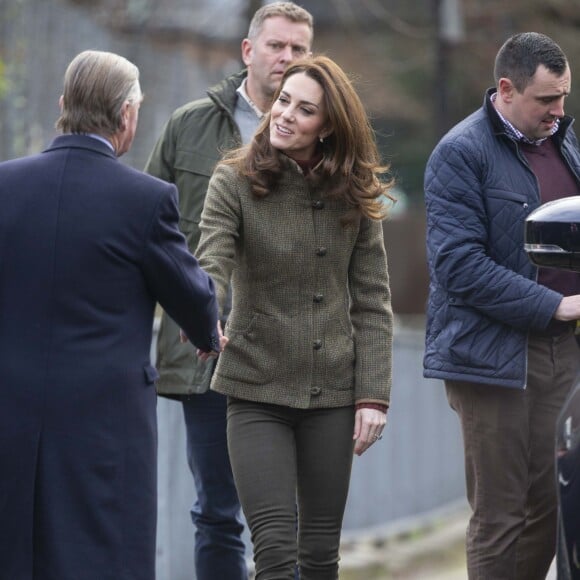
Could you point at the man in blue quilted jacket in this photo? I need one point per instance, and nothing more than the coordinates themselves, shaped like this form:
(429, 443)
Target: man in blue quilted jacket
(500, 332)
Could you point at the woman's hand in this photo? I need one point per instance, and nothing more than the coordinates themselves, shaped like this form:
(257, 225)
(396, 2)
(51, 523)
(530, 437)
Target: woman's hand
(368, 428)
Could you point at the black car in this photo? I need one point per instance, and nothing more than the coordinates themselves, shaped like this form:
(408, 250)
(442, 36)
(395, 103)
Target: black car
(552, 240)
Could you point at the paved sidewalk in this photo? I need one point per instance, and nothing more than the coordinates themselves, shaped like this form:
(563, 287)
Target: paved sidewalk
(436, 552)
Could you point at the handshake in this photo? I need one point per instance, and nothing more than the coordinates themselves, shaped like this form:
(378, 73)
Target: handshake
(207, 354)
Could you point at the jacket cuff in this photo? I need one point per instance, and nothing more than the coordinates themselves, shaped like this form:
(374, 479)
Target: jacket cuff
(369, 405)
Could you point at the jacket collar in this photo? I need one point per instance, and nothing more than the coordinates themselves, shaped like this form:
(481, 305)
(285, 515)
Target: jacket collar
(224, 94)
(76, 141)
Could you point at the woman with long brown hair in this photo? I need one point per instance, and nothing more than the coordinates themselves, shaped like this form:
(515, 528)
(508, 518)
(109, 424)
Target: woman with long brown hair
(293, 220)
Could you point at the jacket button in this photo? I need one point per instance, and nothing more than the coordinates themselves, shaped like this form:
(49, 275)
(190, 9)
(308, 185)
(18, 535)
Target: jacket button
(321, 252)
(315, 391)
(318, 298)
(317, 344)
(318, 204)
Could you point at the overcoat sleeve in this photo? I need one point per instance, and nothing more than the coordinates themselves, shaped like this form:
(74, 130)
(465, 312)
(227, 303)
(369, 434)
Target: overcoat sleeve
(182, 288)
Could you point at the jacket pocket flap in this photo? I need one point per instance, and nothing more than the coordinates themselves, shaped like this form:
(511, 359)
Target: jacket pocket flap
(508, 195)
(195, 162)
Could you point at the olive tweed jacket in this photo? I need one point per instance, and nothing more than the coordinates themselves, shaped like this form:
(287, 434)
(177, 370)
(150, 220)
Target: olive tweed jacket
(311, 322)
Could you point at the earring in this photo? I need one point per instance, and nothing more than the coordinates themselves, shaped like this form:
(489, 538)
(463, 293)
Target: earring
(321, 139)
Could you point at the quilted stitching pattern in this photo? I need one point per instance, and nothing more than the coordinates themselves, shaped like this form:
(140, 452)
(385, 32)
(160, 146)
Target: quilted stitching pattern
(483, 297)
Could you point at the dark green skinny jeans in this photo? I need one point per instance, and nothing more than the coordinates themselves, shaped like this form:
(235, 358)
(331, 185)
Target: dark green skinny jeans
(283, 458)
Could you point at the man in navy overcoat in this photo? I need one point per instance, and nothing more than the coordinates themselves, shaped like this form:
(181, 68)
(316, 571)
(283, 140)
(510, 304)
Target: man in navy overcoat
(87, 248)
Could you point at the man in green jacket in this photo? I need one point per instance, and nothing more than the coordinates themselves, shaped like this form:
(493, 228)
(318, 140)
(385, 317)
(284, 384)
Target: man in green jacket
(192, 142)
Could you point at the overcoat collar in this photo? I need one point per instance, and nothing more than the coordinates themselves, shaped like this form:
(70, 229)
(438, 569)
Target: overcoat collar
(76, 141)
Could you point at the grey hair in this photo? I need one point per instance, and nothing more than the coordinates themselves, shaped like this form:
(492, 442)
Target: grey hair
(96, 85)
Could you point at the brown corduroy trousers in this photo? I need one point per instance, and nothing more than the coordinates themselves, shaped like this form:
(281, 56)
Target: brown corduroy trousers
(509, 444)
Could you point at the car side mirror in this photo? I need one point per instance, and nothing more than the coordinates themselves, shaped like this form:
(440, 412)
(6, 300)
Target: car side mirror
(552, 234)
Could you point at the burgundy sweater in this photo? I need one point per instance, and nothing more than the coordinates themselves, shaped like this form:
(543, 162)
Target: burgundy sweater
(556, 181)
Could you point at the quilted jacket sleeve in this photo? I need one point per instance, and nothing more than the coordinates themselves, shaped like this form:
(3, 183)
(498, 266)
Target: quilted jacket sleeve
(460, 248)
